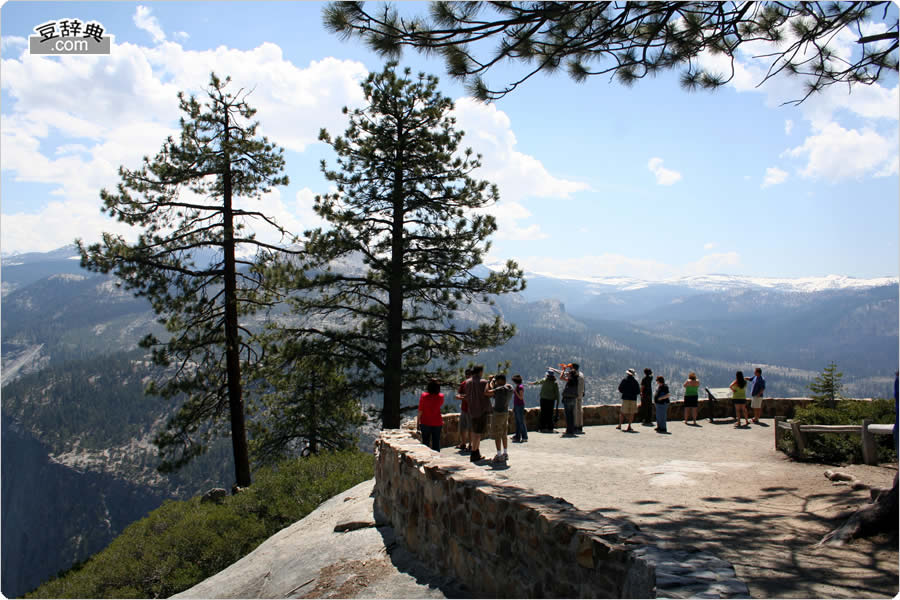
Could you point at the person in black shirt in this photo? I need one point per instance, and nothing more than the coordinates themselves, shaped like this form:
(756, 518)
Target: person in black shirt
(662, 404)
(646, 411)
(629, 389)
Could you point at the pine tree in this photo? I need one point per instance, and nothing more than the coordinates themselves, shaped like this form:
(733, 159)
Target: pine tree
(307, 403)
(186, 261)
(826, 388)
(630, 40)
(409, 216)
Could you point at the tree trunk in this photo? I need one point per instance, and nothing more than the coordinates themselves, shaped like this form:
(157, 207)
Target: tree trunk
(232, 351)
(394, 367)
(879, 516)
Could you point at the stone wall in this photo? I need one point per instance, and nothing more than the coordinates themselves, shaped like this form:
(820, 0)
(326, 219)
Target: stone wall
(500, 539)
(608, 414)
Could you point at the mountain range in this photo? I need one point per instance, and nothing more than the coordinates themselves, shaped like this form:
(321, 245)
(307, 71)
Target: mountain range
(72, 373)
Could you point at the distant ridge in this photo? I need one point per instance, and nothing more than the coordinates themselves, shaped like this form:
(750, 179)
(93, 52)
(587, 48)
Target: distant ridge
(715, 282)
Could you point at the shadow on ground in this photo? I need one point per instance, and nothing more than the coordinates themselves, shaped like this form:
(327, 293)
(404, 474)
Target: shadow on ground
(780, 530)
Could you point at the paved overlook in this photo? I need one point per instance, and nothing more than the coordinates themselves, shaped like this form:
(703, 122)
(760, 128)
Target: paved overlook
(722, 493)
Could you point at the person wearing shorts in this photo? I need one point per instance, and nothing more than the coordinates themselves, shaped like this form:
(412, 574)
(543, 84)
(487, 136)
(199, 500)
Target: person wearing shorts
(758, 388)
(629, 388)
(739, 398)
(477, 395)
(502, 392)
(691, 397)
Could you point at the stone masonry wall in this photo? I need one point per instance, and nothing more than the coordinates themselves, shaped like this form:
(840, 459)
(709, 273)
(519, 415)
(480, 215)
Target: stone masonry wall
(500, 539)
(608, 414)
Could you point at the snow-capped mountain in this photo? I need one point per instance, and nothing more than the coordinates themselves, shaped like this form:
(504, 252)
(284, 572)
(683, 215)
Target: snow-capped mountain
(715, 282)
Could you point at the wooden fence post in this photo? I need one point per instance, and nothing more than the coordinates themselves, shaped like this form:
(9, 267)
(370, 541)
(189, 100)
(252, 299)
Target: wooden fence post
(778, 431)
(870, 454)
(799, 442)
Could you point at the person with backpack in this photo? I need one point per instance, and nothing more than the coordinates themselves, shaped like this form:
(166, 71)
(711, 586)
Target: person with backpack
(629, 389)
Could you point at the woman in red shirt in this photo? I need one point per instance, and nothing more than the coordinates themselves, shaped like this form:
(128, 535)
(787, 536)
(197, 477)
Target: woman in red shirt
(430, 420)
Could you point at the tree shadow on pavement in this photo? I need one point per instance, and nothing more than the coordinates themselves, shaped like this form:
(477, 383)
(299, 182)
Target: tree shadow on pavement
(770, 538)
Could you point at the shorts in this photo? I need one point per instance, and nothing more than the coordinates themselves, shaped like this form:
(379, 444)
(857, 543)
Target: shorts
(691, 401)
(479, 424)
(499, 425)
(629, 407)
(465, 422)
(756, 402)
(739, 401)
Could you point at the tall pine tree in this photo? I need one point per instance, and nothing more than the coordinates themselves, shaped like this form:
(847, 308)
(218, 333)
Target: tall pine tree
(186, 261)
(386, 284)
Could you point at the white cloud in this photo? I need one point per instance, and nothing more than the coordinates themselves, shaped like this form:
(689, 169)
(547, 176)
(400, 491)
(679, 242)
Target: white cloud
(86, 116)
(718, 262)
(143, 20)
(834, 153)
(663, 176)
(788, 126)
(518, 176)
(774, 176)
(618, 265)
(709, 245)
(13, 41)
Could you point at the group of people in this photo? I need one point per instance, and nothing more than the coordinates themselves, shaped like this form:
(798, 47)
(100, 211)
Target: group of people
(485, 405)
(631, 389)
(572, 398)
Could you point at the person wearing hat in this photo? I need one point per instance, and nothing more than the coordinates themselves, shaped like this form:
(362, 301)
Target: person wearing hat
(549, 397)
(629, 388)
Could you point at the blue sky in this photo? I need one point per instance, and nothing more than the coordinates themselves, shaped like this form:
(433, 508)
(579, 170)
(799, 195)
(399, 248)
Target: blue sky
(595, 178)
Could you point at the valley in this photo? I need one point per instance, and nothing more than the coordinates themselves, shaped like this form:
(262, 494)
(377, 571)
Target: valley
(78, 461)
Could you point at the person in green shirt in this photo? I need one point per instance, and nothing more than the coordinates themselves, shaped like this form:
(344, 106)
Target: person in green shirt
(549, 397)
(691, 398)
(739, 398)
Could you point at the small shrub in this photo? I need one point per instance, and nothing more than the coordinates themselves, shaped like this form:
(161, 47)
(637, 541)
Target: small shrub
(839, 448)
(183, 542)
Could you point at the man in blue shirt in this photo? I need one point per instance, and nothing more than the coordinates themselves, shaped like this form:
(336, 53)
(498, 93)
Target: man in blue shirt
(758, 388)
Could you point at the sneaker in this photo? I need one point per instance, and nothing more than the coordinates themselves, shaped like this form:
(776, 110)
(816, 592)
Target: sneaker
(475, 456)
(504, 457)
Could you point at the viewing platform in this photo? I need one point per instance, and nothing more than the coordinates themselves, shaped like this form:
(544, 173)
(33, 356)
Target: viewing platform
(708, 511)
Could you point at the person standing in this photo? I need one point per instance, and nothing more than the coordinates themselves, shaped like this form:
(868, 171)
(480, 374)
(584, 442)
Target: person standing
(519, 409)
(465, 421)
(646, 414)
(629, 388)
(477, 394)
(429, 418)
(757, 389)
(739, 398)
(662, 404)
(569, 395)
(691, 397)
(549, 397)
(501, 392)
(579, 408)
